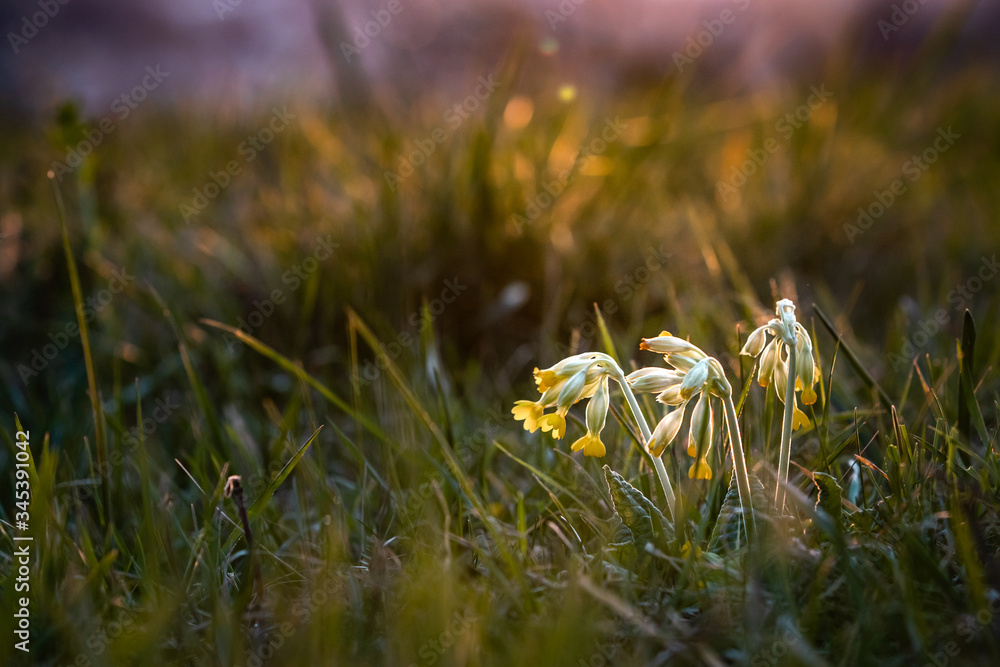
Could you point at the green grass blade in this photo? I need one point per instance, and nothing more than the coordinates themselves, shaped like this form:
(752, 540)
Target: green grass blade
(606, 340)
(261, 501)
(96, 404)
(852, 358)
(298, 372)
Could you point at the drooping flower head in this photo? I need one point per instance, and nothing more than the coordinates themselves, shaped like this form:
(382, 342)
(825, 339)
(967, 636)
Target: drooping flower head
(695, 374)
(571, 380)
(774, 355)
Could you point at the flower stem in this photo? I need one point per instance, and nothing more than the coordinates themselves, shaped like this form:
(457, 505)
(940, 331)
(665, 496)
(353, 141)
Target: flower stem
(740, 467)
(786, 433)
(661, 471)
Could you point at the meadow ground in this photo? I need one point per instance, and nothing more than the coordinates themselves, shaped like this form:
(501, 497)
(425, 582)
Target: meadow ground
(345, 313)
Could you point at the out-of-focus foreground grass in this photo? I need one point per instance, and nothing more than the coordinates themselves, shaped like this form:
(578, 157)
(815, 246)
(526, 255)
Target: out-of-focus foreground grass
(422, 526)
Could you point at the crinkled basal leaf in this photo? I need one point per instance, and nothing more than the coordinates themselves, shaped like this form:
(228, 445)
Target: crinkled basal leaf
(728, 530)
(829, 496)
(638, 514)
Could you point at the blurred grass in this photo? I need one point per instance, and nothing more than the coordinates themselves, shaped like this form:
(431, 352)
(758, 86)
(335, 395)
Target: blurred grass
(414, 530)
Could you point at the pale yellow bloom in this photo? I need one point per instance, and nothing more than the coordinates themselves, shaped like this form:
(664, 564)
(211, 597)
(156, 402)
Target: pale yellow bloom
(695, 374)
(700, 438)
(563, 385)
(654, 380)
(665, 432)
(677, 352)
(597, 414)
(773, 362)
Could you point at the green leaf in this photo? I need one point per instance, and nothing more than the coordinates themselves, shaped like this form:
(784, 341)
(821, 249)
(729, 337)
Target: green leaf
(728, 529)
(638, 513)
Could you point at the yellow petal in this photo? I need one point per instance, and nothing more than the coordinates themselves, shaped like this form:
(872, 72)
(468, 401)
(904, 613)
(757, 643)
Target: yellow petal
(530, 412)
(700, 470)
(799, 418)
(545, 380)
(554, 422)
(591, 445)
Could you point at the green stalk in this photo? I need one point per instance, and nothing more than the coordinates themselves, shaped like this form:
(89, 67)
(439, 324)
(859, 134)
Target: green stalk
(740, 467)
(786, 433)
(661, 471)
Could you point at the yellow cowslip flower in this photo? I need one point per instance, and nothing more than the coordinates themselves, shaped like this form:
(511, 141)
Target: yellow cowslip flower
(695, 374)
(530, 412)
(700, 470)
(563, 385)
(557, 375)
(677, 352)
(700, 437)
(671, 396)
(555, 422)
(695, 379)
(587, 368)
(686, 550)
(773, 363)
(665, 432)
(799, 418)
(790, 339)
(591, 445)
(577, 387)
(597, 414)
(654, 380)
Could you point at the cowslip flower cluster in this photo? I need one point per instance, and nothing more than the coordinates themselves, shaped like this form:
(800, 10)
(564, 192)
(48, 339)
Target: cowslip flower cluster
(694, 374)
(787, 360)
(774, 358)
(563, 385)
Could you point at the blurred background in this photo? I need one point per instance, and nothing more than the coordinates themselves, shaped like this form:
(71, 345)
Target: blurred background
(470, 179)
(673, 161)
